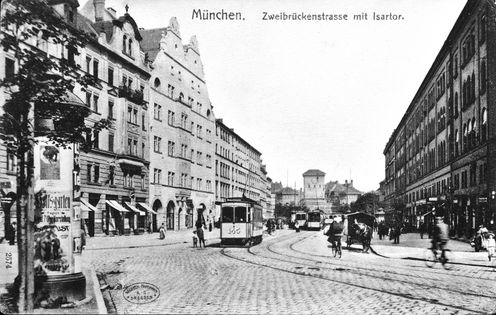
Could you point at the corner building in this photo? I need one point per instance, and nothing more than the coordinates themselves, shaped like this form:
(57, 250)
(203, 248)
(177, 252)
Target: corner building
(441, 159)
(181, 127)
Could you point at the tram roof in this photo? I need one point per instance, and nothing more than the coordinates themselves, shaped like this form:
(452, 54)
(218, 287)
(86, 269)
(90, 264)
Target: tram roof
(239, 199)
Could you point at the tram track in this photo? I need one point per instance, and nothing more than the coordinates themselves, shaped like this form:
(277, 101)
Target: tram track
(342, 268)
(434, 272)
(366, 272)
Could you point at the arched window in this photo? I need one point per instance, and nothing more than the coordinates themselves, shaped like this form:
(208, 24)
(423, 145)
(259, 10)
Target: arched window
(484, 125)
(156, 83)
(465, 134)
(474, 132)
(457, 142)
(130, 47)
(181, 97)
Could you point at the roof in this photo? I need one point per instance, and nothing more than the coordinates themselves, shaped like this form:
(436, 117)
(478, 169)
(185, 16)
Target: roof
(151, 41)
(314, 172)
(339, 189)
(288, 191)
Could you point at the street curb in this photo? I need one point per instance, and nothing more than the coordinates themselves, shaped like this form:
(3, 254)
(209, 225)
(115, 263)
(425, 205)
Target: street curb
(96, 291)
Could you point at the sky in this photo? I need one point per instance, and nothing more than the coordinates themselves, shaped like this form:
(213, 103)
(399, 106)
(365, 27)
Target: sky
(321, 95)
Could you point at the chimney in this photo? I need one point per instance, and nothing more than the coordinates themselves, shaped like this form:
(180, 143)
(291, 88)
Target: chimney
(99, 8)
(346, 182)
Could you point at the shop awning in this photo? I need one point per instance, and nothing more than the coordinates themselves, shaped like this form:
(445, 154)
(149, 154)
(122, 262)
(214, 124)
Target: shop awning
(147, 207)
(86, 205)
(135, 209)
(114, 204)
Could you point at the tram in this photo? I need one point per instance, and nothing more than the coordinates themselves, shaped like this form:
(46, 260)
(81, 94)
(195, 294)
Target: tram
(241, 222)
(314, 220)
(300, 217)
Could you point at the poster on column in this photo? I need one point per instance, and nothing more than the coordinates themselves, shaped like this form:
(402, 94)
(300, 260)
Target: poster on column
(53, 202)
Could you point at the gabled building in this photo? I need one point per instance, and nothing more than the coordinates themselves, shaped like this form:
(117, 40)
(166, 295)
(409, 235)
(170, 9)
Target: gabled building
(341, 194)
(114, 174)
(182, 123)
(314, 190)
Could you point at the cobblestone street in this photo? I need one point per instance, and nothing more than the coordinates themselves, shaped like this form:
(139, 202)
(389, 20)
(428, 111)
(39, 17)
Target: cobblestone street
(290, 273)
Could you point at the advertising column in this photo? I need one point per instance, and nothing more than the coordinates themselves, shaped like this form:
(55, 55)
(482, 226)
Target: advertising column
(53, 257)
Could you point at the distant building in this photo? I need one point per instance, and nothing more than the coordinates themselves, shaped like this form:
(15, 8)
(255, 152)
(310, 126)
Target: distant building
(314, 190)
(341, 194)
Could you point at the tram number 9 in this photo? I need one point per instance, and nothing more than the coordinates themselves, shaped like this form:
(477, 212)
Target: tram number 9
(234, 230)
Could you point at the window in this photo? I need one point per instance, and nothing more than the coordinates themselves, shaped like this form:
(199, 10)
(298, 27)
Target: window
(129, 113)
(184, 119)
(157, 111)
(95, 68)
(89, 171)
(130, 146)
(135, 116)
(88, 64)
(484, 125)
(11, 161)
(9, 68)
(111, 175)
(170, 118)
(111, 143)
(170, 178)
(128, 180)
(135, 147)
(142, 182)
(483, 78)
(157, 174)
(111, 109)
(482, 29)
(143, 149)
(156, 83)
(96, 136)
(170, 148)
(124, 43)
(95, 103)
(96, 176)
(111, 76)
(143, 122)
(157, 144)
(170, 91)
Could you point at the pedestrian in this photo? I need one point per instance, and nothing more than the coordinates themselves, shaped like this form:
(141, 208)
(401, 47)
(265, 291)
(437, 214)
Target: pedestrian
(422, 229)
(491, 244)
(10, 234)
(201, 236)
(297, 226)
(162, 231)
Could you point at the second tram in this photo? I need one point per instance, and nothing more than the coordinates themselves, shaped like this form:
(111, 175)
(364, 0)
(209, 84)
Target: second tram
(314, 220)
(241, 222)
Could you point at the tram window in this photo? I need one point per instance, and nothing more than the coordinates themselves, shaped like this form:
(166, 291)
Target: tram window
(240, 214)
(314, 216)
(227, 214)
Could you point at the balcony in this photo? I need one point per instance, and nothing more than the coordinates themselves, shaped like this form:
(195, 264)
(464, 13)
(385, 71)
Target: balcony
(135, 96)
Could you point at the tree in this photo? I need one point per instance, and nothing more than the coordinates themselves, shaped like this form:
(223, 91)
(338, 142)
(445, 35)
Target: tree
(39, 89)
(368, 202)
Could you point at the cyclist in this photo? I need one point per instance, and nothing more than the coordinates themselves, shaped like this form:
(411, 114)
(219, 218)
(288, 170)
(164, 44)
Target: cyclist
(440, 238)
(335, 232)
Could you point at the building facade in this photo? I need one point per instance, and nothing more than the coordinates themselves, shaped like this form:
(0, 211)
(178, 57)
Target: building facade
(114, 173)
(339, 195)
(238, 167)
(181, 130)
(314, 190)
(440, 160)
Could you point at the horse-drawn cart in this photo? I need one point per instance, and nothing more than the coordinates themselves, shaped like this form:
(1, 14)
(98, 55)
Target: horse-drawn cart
(358, 227)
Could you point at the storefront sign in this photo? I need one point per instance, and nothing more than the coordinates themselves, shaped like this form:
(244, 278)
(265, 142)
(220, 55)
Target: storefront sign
(8, 263)
(482, 199)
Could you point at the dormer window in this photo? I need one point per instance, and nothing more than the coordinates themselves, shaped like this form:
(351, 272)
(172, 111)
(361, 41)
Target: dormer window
(127, 45)
(124, 43)
(130, 49)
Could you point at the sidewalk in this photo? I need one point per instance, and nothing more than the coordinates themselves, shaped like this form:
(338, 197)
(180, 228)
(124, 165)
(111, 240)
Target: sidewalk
(411, 246)
(147, 239)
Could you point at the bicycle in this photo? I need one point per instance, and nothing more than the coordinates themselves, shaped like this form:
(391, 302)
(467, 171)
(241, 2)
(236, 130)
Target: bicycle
(336, 247)
(433, 255)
